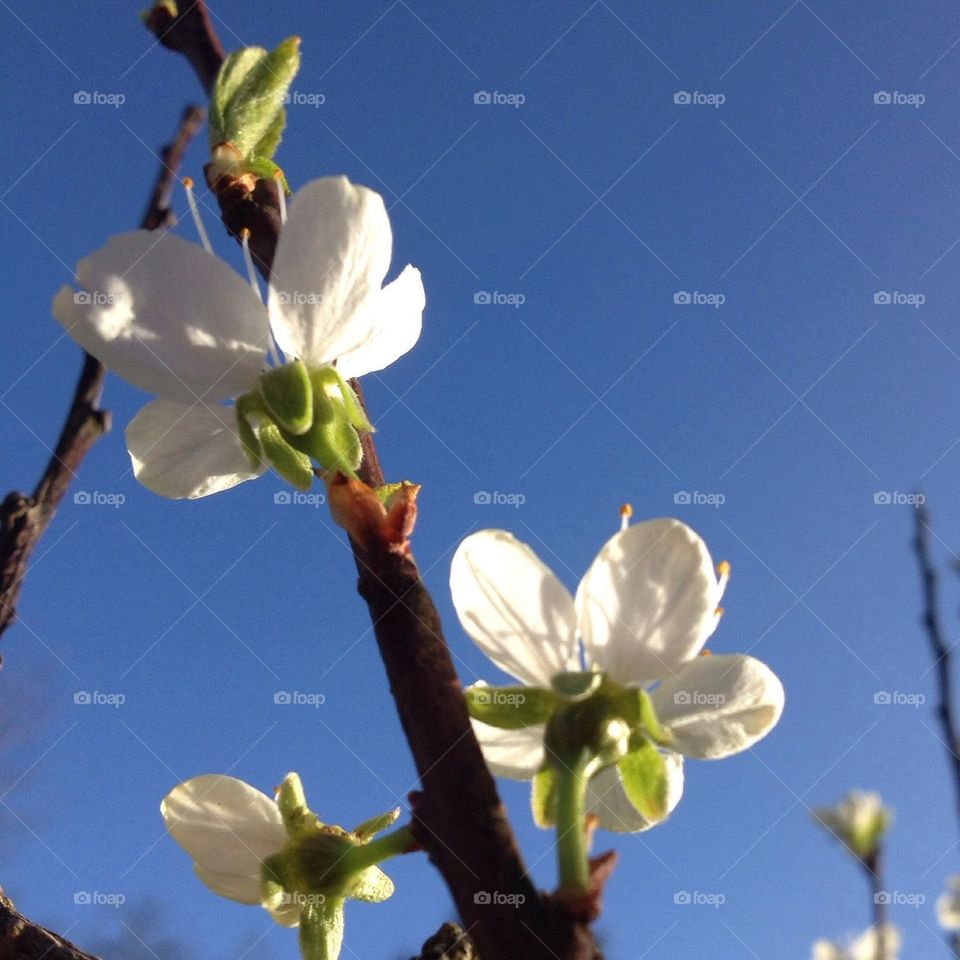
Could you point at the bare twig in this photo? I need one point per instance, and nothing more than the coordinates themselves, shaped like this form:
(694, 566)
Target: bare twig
(460, 818)
(20, 939)
(939, 647)
(24, 519)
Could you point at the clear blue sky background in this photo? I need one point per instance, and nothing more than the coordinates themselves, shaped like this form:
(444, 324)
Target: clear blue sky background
(597, 200)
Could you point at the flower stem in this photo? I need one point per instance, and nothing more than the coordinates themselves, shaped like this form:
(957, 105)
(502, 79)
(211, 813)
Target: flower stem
(873, 865)
(383, 848)
(572, 861)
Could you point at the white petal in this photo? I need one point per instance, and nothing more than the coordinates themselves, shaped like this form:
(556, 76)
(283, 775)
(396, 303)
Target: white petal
(241, 889)
(513, 607)
(718, 706)
(826, 950)
(515, 754)
(867, 947)
(167, 316)
(394, 318)
(608, 800)
(332, 256)
(227, 826)
(648, 602)
(185, 452)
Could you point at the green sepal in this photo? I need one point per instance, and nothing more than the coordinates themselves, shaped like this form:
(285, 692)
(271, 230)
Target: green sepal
(576, 685)
(355, 412)
(245, 407)
(543, 798)
(272, 886)
(375, 825)
(643, 772)
(246, 107)
(510, 708)
(372, 886)
(331, 440)
(321, 929)
(636, 707)
(293, 465)
(288, 395)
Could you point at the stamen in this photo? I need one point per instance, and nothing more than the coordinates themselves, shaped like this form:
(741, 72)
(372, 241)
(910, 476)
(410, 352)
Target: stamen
(281, 197)
(195, 213)
(626, 512)
(248, 262)
(252, 277)
(705, 652)
(723, 568)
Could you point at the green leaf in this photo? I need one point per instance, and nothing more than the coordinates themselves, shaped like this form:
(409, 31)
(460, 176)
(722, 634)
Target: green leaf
(269, 142)
(321, 929)
(375, 824)
(644, 775)
(233, 72)
(247, 103)
(293, 465)
(510, 708)
(288, 395)
(543, 798)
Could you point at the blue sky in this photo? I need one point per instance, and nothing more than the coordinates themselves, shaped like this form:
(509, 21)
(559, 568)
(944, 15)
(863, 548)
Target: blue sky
(589, 201)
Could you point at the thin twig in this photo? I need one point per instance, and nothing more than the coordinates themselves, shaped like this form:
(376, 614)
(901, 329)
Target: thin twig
(461, 820)
(21, 939)
(24, 519)
(939, 646)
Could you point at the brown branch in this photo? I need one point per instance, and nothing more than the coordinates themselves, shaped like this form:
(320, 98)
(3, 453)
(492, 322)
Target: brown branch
(460, 818)
(24, 519)
(938, 645)
(20, 939)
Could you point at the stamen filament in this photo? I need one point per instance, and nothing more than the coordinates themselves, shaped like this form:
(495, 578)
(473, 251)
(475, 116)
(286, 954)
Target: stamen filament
(195, 213)
(281, 197)
(252, 277)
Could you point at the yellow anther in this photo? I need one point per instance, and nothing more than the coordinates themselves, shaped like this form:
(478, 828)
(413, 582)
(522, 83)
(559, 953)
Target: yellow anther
(723, 568)
(626, 512)
(187, 182)
(705, 653)
(244, 233)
